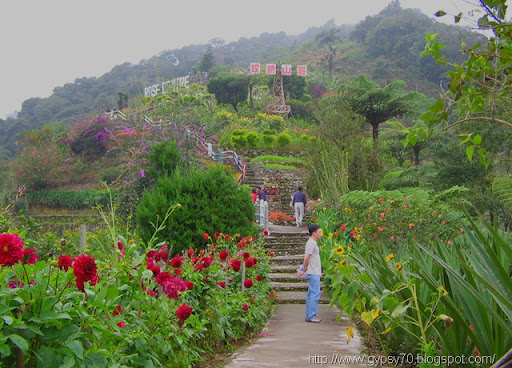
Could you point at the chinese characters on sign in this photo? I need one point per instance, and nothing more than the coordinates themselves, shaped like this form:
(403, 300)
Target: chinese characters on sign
(271, 69)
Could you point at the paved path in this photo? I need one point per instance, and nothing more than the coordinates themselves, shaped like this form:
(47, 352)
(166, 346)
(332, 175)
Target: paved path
(289, 341)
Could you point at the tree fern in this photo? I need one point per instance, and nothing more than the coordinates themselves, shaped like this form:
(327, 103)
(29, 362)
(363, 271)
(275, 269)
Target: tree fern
(502, 188)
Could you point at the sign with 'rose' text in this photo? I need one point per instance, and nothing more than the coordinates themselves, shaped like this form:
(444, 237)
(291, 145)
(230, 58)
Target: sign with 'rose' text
(166, 87)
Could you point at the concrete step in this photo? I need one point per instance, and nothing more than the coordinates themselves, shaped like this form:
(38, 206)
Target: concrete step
(288, 260)
(281, 245)
(287, 268)
(298, 297)
(285, 277)
(289, 286)
(289, 252)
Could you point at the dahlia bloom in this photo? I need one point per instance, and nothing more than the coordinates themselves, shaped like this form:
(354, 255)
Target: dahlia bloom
(183, 312)
(65, 262)
(11, 251)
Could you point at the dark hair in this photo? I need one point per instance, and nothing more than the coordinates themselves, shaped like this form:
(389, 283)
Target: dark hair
(312, 228)
(258, 187)
(254, 190)
(299, 188)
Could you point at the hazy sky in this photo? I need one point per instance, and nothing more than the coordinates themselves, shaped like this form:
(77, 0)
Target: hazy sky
(48, 43)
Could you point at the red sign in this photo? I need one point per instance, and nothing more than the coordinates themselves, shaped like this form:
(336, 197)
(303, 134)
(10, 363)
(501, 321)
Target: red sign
(255, 68)
(302, 70)
(271, 69)
(286, 69)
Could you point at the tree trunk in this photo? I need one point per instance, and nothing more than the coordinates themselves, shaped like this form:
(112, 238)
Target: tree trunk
(416, 150)
(251, 103)
(375, 136)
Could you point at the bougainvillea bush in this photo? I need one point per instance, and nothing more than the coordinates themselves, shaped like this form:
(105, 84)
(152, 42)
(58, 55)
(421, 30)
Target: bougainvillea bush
(129, 306)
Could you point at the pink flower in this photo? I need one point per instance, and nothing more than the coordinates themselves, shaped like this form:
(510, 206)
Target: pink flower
(121, 324)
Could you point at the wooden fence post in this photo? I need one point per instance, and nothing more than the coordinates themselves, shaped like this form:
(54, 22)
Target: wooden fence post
(243, 274)
(83, 229)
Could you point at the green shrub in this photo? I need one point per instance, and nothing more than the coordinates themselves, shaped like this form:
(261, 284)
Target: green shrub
(268, 141)
(110, 175)
(165, 158)
(275, 158)
(210, 201)
(280, 166)
(284, 140)
(252, 140)
(70, 198)
(239, 141)
(80, 166)
(269, 131)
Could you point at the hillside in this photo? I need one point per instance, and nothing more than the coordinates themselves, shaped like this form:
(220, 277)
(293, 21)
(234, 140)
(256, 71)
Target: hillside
(385, 47)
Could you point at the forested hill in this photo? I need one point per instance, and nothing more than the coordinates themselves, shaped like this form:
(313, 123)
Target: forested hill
(385, 47)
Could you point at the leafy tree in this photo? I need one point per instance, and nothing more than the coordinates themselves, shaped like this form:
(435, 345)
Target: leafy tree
(229, 89)
(479, 89)
(328, 38)
(378, 104)
(208, 60)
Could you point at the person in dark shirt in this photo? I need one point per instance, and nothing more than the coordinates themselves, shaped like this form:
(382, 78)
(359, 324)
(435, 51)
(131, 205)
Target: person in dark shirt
(298, 203)
(263, 208)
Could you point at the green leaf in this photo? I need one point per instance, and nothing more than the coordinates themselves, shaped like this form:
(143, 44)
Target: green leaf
(69, 362)
(19, 342)
(4, 350)
(458, 17)
(77, 348)
(96, 360)
(477, 139)
(483, 23)
(46, 316)
(8, 320)
(440, 13)
(469, 152)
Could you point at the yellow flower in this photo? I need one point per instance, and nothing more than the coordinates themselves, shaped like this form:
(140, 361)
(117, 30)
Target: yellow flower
(131, 241)
(398, 266)
(443, 291)
(343, 262)
(376, 313)
(348, 210)
(390, 257)
(386, 330)
(357, 229)
(329, 236)
(340, 250)
(350, 333)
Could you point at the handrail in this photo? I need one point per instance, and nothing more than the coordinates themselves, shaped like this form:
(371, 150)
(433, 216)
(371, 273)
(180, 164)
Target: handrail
(242, 167)
(21, 191)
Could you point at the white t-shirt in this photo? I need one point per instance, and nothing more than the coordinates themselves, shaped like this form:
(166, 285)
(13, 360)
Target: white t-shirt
(315, 265)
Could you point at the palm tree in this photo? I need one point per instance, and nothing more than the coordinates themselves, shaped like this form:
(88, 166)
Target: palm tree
(329, 37)
(379, 104)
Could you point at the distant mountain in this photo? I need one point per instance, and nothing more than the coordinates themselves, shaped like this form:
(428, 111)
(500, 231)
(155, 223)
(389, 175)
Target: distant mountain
(385, 46)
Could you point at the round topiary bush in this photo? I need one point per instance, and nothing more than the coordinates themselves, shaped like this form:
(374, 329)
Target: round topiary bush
(210, 201)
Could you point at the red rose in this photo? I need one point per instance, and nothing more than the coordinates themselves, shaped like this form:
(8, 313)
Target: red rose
(246, 255)
(183, 313)
(223, 255)
(163, 278)
(176, 262)
(249, 262)
(11, 251)
(265, 232)
(190, 253)
(272, 254)
(245, 306)
(206, 236)
(121, 324)
(221, 284)
(65, 262)
(190, 285)
(236, 264)
(259, 277)
(248, 283)
(226, 237)
(217, 234)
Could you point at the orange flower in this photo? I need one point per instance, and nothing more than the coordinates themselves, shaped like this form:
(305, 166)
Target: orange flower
(411, 225)
(398, 266)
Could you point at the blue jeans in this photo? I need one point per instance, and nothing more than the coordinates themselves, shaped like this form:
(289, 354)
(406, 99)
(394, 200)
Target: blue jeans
(313, 296)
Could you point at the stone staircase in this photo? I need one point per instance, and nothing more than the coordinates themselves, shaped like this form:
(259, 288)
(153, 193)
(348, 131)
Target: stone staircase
(288, 243)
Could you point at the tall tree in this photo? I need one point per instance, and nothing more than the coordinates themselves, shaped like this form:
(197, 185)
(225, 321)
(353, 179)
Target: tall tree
(329, 37)
(378, 104)
(208, 60)
(229, 89)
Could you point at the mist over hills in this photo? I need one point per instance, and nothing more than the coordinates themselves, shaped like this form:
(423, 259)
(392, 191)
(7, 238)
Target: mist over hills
(385, 47)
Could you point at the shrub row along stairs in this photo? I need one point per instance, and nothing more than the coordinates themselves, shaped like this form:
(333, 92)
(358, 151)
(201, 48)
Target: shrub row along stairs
(287, 243)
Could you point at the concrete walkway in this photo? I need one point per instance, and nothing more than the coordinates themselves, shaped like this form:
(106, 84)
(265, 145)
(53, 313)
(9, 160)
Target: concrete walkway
(288, 341)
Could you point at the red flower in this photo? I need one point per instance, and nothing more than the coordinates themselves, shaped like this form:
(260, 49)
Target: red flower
(121, 324)
(259, 277)
(336, 233)
(190, 285)
(217, 234)
(313, 219)
(11, 251)
(120, 245)
(190, 253)
(183, 313)
(85, 269)
(248, 283)
(223, 255)
(163, 278)
(246, 255)
(226, 237)
(249, 262)
(118, 310)
(240, 245)
(272, 254)
(221, 284)
(177, 272)
(65, 262)
(28, 256)
(206, 236)
(236, 264)
(245, 306)
(343, 227)
(265, 232)
(176, 262)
